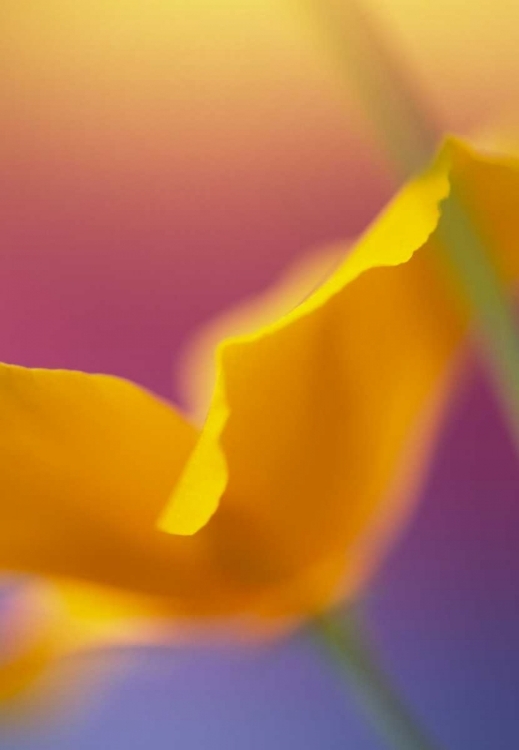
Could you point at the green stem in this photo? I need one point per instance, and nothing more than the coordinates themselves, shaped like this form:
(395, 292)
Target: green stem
(344, 639)
(399, 116)
(466, 252)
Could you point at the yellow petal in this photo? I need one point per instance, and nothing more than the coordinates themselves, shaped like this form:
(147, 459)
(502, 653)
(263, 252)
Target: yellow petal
(308, 437)
(402, 229)
(490, 188)
(46, 622)
(24, 650)
(312, 416)
(86, 463)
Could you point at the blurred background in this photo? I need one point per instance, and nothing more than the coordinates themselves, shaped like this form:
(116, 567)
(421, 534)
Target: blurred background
(162, 160)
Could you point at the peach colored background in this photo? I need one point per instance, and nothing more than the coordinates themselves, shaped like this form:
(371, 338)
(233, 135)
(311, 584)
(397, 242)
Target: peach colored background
(163, 158)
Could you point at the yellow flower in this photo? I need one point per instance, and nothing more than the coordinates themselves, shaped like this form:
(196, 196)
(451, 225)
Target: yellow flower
(310, 453)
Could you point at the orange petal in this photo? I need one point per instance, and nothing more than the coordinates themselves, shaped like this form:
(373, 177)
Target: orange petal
(309, 430)
(86, 462)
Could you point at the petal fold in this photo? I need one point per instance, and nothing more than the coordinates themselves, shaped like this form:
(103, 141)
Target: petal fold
(392, 240)
(315, 417)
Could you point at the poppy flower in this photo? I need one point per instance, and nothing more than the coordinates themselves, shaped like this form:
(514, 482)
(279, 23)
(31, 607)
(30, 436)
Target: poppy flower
(307, 463)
